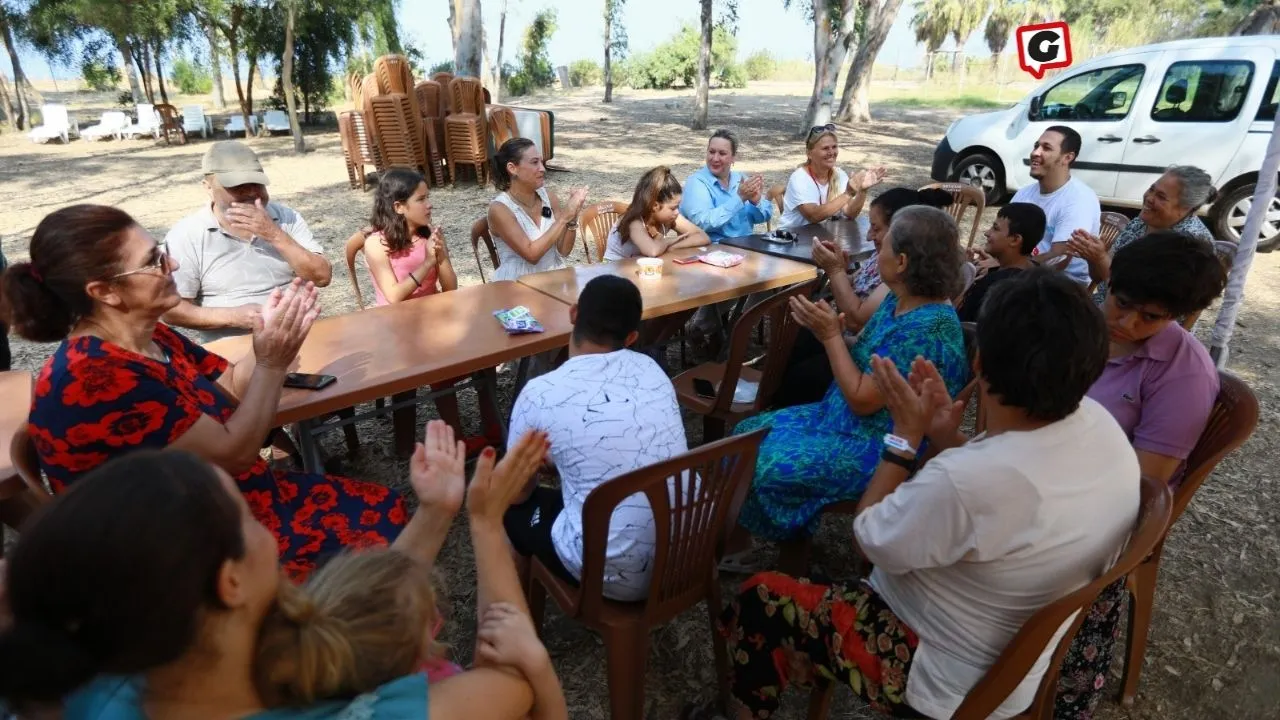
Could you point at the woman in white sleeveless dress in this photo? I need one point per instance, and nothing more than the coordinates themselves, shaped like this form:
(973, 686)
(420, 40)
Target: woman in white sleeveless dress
(530, 229)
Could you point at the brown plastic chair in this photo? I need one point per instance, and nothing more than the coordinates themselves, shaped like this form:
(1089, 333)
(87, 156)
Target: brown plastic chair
(695, 499)
(1109, 226)
(597, 221)
(1025, 648)
(963, 196)
(1232, 421)
(444, 78)
(21, 494)
(356, 149)
(391, 115)
(466, 129)
(431, 106)
(502, 125)
(721, 412)
(480, 232)
(775, 195)
(170, 122)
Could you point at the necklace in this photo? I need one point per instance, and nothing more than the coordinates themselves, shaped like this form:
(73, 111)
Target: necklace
(821, 188)
(532, 208)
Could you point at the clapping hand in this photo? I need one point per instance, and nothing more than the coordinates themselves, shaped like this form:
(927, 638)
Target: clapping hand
(494, 486)
(926, 380)
(286, 319)
(820, 318)
(436, 244)
(868, 179)
(437, 470)
(829, 257)
(577, 199)
(911, 408)
(1087, 246)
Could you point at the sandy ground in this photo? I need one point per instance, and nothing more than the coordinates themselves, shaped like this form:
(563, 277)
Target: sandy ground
(1215, 642)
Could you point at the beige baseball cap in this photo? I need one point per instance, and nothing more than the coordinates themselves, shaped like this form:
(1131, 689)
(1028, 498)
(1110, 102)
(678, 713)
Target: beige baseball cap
(233, 163)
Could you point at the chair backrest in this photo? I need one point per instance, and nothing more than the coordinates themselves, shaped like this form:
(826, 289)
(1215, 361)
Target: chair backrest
(963, 196)
(235, 122)
(782, 336)
(55, 116)
(480, 232)
(597, 221)
(1109, 226)
(275, 118)
(695, 499)
(147, 115)
(430, 101)
(1025, 648)
(502, 125)
(1231, 422)
(22, 453)
(193, 111)
(775, 195)
(115, 119)
(395, 74)
(391, 117)
(466, 95)
(968, 271)
(355, 246)
(970, 330)
(444, 78)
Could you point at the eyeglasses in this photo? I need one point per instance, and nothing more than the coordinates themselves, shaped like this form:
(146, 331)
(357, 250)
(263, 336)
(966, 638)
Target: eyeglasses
(159, 261)
(819, 129)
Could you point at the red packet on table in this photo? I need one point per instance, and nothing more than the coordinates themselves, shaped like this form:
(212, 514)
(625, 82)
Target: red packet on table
(723, 259)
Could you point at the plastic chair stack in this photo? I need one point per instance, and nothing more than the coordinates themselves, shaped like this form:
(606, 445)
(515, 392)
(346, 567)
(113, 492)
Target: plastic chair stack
(393, 116)
(465, 129)
(431, 105)
(356, 149)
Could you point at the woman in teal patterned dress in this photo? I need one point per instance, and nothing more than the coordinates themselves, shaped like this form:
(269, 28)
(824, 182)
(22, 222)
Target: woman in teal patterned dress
(825, 452)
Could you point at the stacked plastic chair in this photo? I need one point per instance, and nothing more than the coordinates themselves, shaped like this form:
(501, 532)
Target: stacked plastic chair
(357, 151)
(364, 101)
(394, 117)
(466, 129)
(395, 77)
(431, 105)
(502, 124)
(444, 78)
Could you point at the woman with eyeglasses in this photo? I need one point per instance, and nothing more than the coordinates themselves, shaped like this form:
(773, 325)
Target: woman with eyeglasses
(819, 190)
(122, 381)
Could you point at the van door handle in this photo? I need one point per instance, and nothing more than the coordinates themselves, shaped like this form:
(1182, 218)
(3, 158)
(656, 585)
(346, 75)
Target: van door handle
(1110, 138)
(1148, 140)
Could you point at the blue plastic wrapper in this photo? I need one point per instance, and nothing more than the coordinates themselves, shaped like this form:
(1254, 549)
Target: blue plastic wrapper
(518, 321)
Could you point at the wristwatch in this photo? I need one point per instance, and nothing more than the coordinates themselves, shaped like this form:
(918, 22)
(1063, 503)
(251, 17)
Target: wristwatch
(896, 451)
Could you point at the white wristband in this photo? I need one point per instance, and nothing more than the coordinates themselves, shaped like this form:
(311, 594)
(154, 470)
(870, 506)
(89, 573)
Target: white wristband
(898, 443)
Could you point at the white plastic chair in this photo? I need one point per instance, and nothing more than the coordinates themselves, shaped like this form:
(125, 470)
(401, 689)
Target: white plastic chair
(57, 125)
(113, 122)
(195, 121)
(236, 125)
(148, 123)
(276, 121)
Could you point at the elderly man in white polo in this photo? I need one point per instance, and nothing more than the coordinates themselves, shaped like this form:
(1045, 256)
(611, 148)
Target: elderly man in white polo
(237, 249)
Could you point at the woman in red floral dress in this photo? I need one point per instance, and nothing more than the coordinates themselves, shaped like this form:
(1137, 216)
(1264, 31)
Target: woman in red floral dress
(122, 380)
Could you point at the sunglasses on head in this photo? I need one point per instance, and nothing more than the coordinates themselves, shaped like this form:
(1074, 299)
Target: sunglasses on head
(819, 129)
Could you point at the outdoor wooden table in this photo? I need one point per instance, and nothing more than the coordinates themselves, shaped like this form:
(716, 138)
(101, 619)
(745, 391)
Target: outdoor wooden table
(381, 351)
(849, 234)
(681, 287)
(15, 501)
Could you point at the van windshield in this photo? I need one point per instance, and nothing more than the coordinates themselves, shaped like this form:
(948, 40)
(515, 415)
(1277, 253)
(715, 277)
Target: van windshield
(1103, 94)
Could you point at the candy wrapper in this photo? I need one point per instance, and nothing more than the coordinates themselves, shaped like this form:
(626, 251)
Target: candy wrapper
(518, 320)
(723, 259)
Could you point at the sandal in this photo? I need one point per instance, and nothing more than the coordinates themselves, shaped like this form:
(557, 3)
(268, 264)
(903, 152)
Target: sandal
(745, 562)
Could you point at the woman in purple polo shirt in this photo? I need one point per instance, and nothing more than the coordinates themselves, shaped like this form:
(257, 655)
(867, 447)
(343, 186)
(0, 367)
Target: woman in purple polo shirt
(1160, 385)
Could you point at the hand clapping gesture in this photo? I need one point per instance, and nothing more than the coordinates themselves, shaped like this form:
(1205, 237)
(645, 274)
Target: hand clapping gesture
(820, 318)
(1087, 246)
(437, 470)
(286, 319)
(577, 199)
(494, 486)
(829, 257)
(870, 178)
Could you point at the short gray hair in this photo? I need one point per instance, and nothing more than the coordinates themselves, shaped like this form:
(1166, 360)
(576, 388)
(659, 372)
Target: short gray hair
(1196, 187)
(931, 241)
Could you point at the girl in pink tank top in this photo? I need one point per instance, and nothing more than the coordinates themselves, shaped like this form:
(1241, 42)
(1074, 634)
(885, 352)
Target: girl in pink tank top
(409, 259)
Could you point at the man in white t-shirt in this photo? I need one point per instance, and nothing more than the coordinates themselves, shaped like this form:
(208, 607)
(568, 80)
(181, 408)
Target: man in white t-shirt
(985, 534)
(606, 411)
(1069, 204)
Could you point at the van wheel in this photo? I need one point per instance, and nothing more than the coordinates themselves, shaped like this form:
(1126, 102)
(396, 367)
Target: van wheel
(1231, 211)
(983, 172)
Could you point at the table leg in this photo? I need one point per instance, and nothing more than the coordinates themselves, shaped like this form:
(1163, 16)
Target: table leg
(308, 446)
(490, 382)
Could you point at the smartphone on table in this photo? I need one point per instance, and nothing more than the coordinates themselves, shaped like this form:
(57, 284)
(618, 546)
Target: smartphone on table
(704, 388)
(307, 381)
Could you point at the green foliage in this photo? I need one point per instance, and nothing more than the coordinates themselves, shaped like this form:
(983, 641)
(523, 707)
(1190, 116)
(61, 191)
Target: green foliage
(446, 66)
(190, 77)
(99, 74)
(760, 65)
(733, 76)
(613, 10)
(675, 62)
(535, 64)
(584, 73)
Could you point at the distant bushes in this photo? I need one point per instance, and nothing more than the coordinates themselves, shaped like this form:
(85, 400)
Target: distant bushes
(675, 62)
(584, 73)
(191, 77)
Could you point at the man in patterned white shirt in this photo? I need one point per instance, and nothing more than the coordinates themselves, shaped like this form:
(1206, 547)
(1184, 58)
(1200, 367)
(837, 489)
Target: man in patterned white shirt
(607, 411)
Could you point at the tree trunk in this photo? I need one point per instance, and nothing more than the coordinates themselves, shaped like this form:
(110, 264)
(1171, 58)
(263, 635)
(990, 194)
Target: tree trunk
(829, 47)
(608, 51)
(215, 67)
(497, 69)
(248, 96)
(23, 119)
(701, 98)
(143, 55)
(286, 78)
(467, 27)
(855, 105)
(245, 99)
(454, 26)
(130, 69)
(10, 115)
(160, 72)
(1263, 20)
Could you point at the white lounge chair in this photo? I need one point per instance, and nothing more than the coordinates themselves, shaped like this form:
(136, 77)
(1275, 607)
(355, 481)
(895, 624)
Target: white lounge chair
(148, 123)
(236, 124)
(56, 125)
(195, 121)
(276, 121)
(111, 125)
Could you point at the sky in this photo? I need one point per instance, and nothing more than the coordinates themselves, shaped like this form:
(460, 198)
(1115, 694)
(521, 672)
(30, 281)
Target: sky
(762, 25)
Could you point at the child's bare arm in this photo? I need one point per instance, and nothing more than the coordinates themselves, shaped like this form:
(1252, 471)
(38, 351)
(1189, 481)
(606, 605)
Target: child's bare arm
(507, 637)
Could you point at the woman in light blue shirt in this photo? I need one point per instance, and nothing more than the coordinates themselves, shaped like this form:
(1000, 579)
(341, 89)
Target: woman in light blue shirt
(722, 202)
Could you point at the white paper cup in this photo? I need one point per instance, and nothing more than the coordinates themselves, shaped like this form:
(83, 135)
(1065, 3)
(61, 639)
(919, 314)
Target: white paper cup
(650, 268)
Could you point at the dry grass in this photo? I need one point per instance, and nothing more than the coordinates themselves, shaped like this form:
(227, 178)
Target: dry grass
(1215, 644)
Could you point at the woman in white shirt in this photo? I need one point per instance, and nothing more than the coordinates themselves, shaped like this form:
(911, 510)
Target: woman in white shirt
(819, 190)
(652, 224)
(530, 229)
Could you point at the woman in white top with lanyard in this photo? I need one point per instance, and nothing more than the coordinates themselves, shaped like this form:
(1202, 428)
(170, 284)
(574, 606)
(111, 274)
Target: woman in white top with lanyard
(819, 190)
(530, 229)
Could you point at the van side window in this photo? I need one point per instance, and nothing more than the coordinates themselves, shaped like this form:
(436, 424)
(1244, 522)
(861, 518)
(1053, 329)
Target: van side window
(1267, 111)
(1100, 95)
(1203, 91)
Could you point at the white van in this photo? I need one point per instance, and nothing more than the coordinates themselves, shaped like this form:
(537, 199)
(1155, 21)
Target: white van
(1208, 102)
